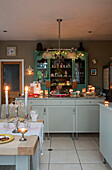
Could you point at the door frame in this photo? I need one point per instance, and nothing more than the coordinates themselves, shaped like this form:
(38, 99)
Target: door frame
(12, 60)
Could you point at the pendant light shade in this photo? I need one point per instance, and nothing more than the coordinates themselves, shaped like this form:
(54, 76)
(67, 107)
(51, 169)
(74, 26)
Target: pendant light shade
(71, 55)
(47, 55)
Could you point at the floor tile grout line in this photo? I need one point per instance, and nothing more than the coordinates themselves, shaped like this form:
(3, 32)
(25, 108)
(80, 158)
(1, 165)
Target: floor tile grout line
(77, 155)
(49, 156)
(96, 141)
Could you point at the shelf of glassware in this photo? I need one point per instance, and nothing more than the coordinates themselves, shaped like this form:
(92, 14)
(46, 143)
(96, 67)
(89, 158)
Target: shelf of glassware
(77, 69)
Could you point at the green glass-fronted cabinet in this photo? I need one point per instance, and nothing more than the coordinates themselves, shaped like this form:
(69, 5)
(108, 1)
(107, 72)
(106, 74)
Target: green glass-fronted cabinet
(64, 73)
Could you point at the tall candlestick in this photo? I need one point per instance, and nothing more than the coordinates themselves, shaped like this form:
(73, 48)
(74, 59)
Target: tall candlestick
(6, 99)
(26, 101)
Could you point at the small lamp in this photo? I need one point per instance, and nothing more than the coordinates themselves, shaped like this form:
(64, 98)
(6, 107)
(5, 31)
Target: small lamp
(30, 70)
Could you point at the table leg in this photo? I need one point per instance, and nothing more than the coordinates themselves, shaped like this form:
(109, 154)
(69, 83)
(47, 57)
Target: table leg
(22, 162)
(35, 160)
(76, 136)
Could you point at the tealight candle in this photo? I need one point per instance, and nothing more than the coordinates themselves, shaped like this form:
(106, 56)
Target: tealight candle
(93, 89)
(71, 90)
(6, 99)
(106, 103)
(84, 90)
(41, 92)
(78, 93)
(26, 101)
(46, 92)
(23, 131)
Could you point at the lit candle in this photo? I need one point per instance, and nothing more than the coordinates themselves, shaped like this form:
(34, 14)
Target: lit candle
(26, 101)
(71, 91)
(23, 130)
(106, 103)
(78, 92)
(93, 89)
(84, 90)
(6, 99)
(46, 92)
(41, 92)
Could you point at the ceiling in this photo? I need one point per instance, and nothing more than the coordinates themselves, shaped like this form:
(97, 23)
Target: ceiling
(36, 19)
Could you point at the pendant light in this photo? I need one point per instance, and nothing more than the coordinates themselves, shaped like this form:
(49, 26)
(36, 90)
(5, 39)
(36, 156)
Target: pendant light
(70, 54)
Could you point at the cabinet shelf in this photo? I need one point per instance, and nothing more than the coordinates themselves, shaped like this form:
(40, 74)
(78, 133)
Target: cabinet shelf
(61, 77)
(41, 68)
(61, 85)
(62, 68)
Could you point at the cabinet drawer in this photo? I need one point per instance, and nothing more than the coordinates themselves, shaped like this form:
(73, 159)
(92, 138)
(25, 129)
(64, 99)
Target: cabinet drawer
(37, 102)
(60, 102)
(88, 102)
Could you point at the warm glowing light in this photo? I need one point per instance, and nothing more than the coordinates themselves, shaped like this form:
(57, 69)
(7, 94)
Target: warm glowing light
(106, 102)
(78, 92)
(84, 90)
(41, 92)
(23, 130)
(46, 92)
(6, 88)
(93, 89)
(26, 88)
(71, 90)
(29, 72)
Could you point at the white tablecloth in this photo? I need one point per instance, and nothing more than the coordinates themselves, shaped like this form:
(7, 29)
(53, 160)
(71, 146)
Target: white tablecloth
(36, 128)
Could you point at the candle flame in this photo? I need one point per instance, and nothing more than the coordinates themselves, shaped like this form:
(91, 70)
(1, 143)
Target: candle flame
(6, 88)
(26, 88)
(106, 102)
(23, 130)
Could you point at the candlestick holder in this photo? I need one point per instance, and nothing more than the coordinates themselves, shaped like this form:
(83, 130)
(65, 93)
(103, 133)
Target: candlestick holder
(16, 105)
(23, 131)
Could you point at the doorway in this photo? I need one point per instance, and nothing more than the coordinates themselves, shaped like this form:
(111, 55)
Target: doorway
(12, 74)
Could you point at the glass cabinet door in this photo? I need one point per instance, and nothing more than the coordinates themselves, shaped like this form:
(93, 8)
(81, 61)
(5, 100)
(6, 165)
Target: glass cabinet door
(79, 71)
(41, 70)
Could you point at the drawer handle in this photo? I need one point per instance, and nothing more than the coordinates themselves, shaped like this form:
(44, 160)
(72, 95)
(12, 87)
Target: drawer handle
(89, 102)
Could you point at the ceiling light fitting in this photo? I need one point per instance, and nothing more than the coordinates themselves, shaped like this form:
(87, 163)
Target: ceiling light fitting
(52, 53)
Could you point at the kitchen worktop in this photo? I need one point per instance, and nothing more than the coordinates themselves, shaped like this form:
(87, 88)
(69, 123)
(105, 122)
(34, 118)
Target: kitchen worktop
(62, 98)
(107, 106)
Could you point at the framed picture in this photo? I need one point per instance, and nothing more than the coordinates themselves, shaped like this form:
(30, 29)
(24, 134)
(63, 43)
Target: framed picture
(93, 72)
(11, 51)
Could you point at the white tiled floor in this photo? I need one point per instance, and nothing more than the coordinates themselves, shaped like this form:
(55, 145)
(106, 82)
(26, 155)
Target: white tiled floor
(66, 154)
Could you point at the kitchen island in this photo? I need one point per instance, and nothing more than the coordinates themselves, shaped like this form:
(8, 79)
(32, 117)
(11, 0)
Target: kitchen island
(67, 114)
(106, 132)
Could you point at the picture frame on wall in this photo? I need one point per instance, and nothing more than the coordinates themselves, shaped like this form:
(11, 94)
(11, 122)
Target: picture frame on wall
(93, 72)
(11, 50)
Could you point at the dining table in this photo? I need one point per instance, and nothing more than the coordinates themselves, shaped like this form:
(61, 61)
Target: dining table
(23, 154)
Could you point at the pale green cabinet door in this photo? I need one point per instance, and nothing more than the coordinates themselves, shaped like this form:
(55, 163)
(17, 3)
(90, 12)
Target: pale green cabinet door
(87, 119)
(61, 119)
(41, 110)
(106, 133)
